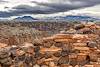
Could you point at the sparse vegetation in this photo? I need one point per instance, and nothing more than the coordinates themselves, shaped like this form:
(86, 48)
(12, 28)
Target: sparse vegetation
(52, 44)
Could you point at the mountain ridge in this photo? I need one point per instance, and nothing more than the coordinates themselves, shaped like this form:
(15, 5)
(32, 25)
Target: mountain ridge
(68, 17)
(25, 18)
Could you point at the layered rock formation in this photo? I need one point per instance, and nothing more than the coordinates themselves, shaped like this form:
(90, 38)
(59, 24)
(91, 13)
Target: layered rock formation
(76, 47)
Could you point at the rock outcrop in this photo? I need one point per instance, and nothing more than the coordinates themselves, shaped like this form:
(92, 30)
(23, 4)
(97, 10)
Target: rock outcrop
(60, 50)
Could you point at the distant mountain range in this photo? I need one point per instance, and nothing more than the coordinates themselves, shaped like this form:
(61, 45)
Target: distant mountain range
(25, 18)
(74, 18)
(68, 18)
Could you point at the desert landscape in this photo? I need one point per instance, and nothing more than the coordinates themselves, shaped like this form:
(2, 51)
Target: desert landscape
(58, 45)
(49, 33)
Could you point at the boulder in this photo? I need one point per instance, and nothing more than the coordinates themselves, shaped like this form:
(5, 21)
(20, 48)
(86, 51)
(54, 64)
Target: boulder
(58, 44)
(57, 54)
(20, 52)
(3, 45)
(92, 44)
(86, 31)
(38, 42)
(63, 60)
(4, 53)
(79, 26)
(93, 57)
(26, 44)
(6, 61)
(52, 64)
(36, 65)
(47, 44)
(71, 31)
(81, 56)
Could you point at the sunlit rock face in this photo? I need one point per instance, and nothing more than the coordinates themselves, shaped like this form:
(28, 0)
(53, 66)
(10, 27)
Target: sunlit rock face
(61, 49)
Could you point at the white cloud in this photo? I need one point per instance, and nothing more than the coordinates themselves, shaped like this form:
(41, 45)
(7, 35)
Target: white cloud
(12, 3)
(93, 11)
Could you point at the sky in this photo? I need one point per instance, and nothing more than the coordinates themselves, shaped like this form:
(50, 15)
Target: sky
(47, 8)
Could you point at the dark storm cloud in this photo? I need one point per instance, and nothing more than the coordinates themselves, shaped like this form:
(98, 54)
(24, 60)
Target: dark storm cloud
(2, 1)
(25, 9)
(51, 7)
(5, 14)
(65, 5)
(6, 7)
(54, 6)
(33, 10)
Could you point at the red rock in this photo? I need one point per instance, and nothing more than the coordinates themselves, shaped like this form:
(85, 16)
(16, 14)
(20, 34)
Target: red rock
(65, 40)
(82, 48)
(43, 50)
(81, 57)
(79, 26)
(52, 64)
(73, 56)
(62, 36)
(30, 50)
(80, 44)
(19, 52)
(93, 57)
(92, 36)
(96, 65)
(27, 44)
(80, 36)
(3, 45)
(58, 36)
(88, 65)
(48, 60)
(48, 38)
(65, 65)
(86, 31)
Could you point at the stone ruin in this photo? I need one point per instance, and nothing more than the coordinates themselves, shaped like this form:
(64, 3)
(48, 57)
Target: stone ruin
(77, 47)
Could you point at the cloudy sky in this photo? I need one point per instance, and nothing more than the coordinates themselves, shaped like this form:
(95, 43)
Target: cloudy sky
(47, 8)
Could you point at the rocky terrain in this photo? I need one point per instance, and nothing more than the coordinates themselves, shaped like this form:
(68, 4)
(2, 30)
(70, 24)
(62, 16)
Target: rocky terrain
(75, 46)
(19, 35)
